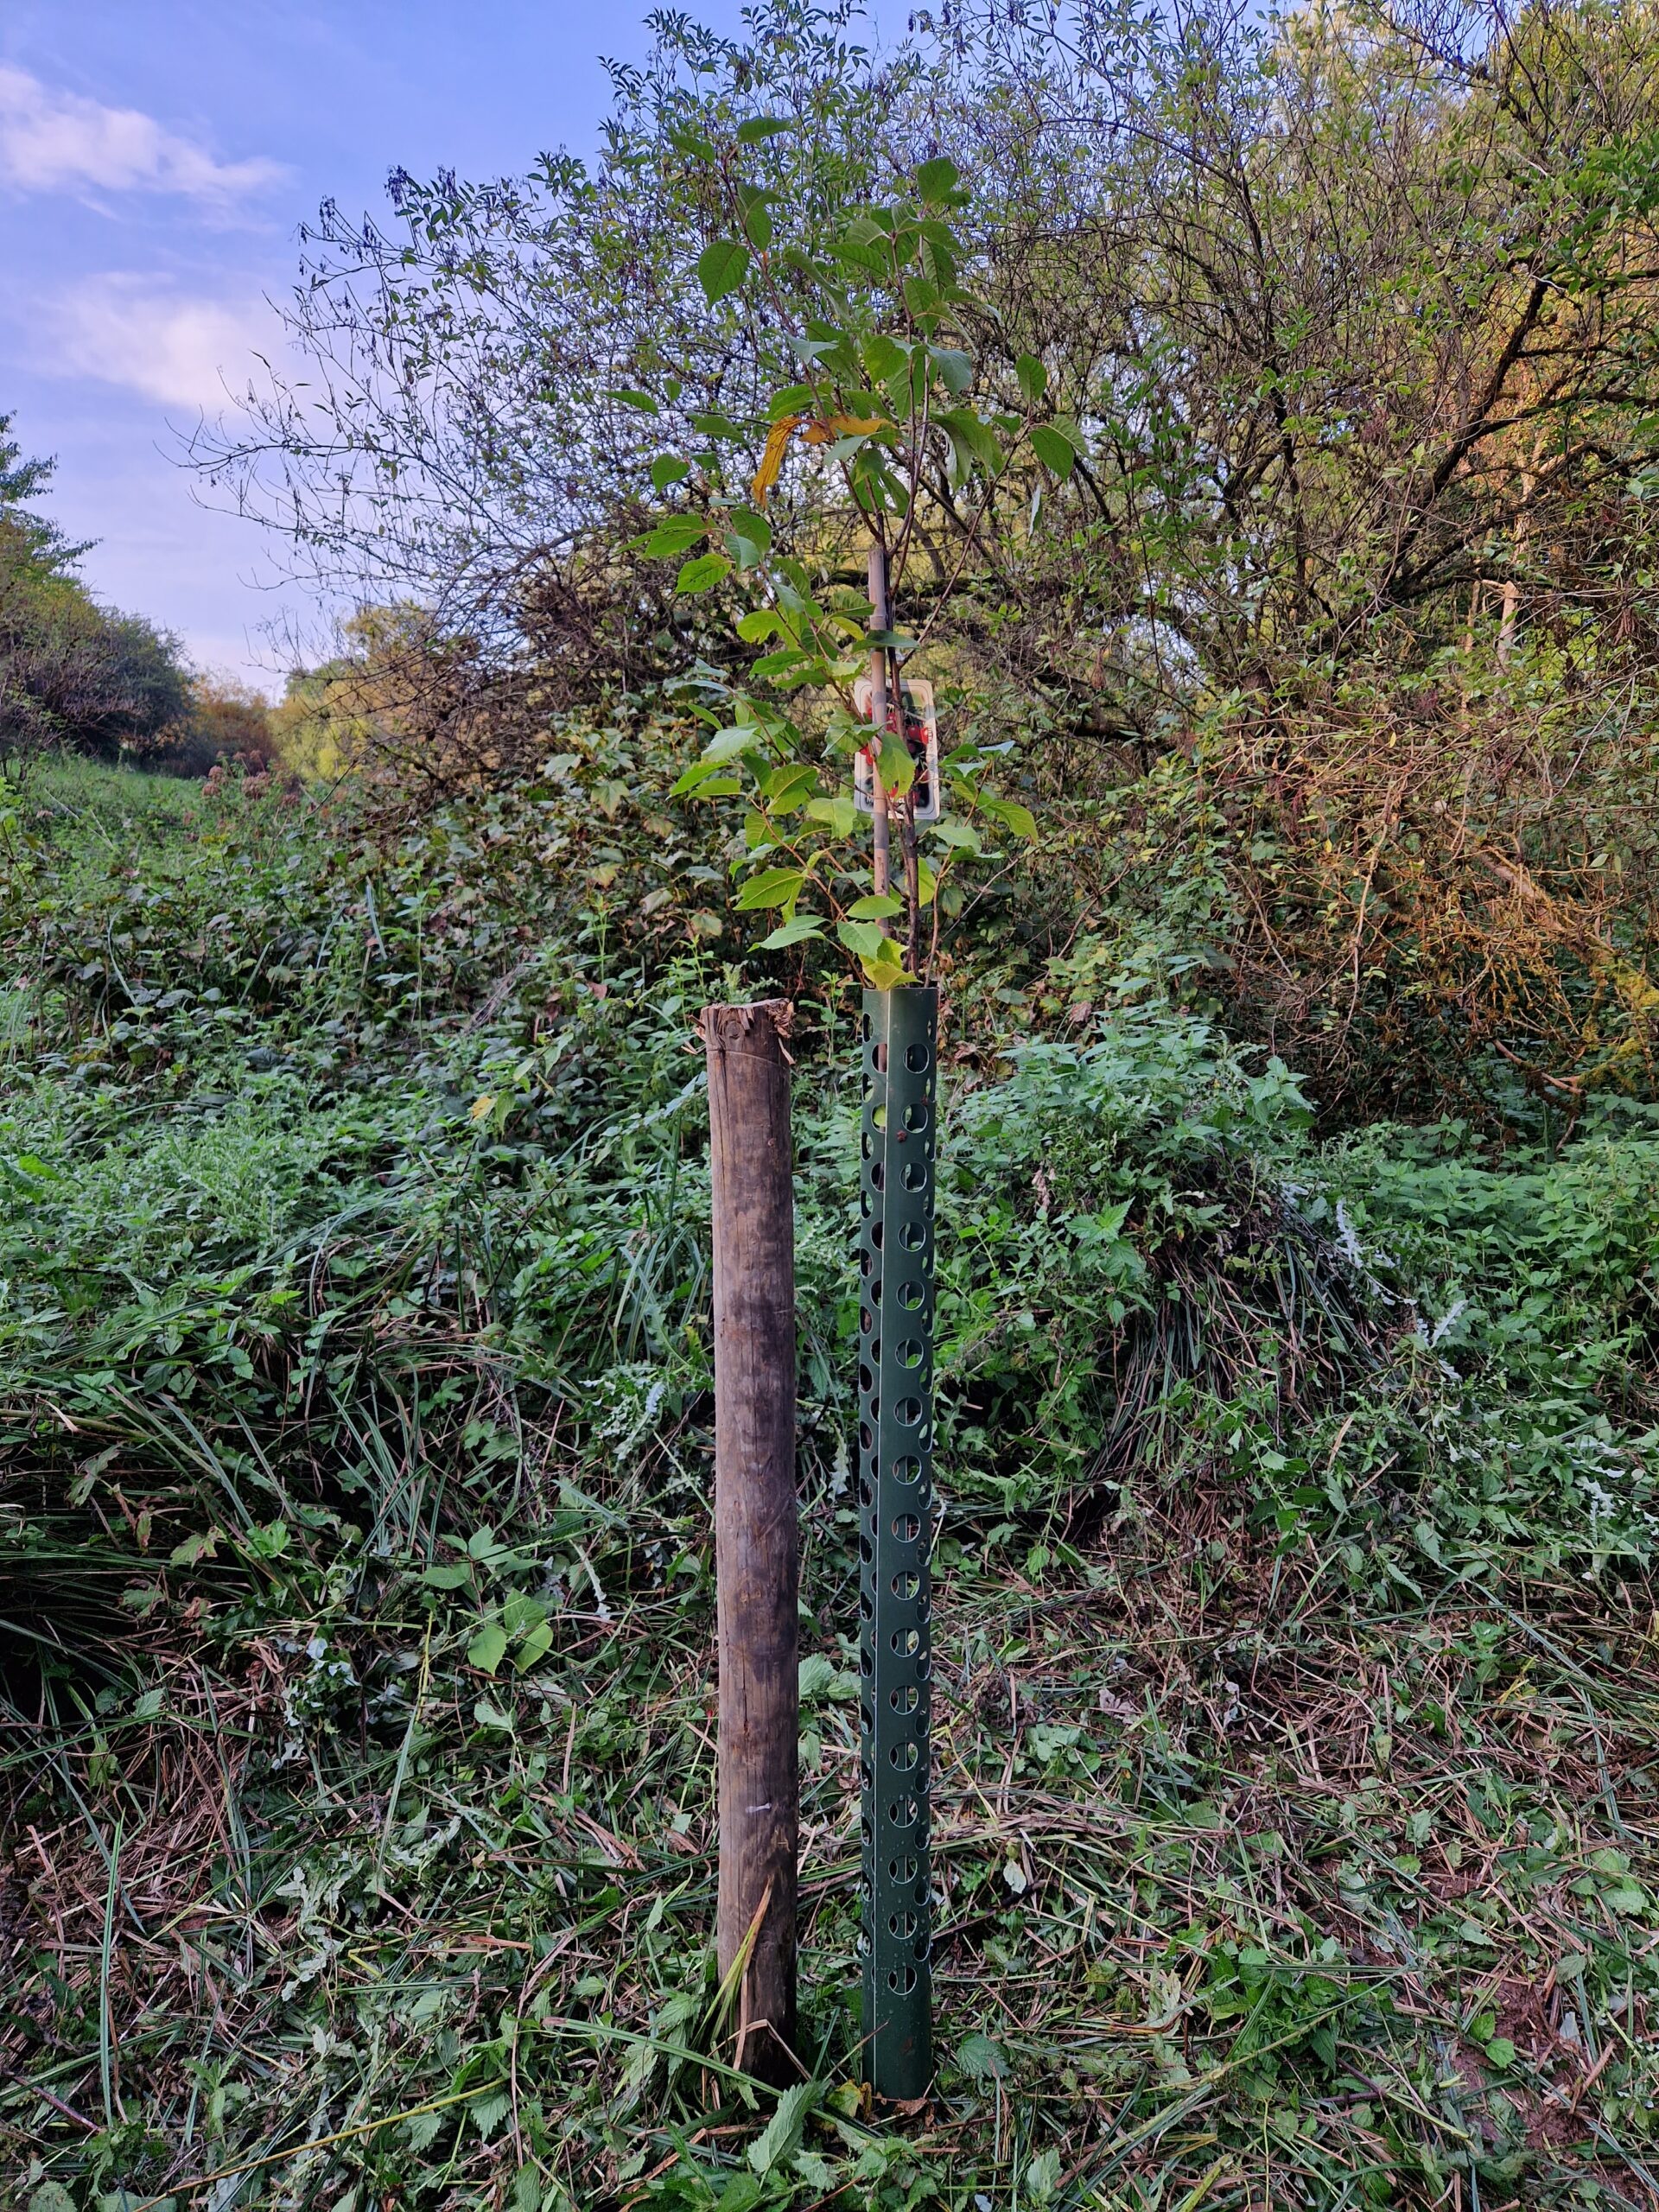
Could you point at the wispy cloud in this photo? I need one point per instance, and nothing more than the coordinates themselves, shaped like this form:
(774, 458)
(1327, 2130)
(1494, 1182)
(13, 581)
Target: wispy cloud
(184, 352)
(53, 140)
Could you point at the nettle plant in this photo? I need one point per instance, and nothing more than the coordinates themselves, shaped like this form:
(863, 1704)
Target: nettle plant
(880, 429)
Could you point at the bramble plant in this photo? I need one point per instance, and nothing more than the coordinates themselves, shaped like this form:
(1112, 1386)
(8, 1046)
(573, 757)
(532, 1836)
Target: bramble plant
(860, 333)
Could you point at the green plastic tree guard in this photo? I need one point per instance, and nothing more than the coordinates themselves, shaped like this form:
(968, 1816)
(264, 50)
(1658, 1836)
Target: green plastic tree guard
(895, 1492)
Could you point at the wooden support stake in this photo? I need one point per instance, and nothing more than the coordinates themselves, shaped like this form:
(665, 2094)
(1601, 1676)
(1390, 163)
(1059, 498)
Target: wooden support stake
(756, 1538)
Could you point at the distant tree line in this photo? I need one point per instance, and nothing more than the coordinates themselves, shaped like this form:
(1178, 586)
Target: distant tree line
(77, 676)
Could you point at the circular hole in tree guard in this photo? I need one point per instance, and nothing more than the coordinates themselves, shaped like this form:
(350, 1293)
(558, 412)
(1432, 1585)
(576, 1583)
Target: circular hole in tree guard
(912, 1296)
(866, 1550)
(901, 1980)
(866, 1606)
(905, 1697)
(907, 1412)
(906, 1586)
(902, 1811)
(916, 1113)
(910, 1352)
(879, 1117)
(907, 1470)
(915, 1175)
(916, 1059)
(912, 1234)
(907, 1527)
(881, 1059)
(866, 1320)
(905, 1757)
(867, 1663)
(875, 1292)
(877, 1175)
(875, 1228)
(866, 1379)
(902, 1924)
(866, 1437)
(906, 1642)
(901, 1869)
(864, 1027)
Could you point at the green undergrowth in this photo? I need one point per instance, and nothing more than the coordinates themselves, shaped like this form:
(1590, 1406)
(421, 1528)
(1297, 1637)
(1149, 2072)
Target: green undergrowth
(1296, 1832)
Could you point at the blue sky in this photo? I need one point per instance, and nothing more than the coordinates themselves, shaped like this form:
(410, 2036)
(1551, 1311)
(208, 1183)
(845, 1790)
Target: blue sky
(156, 158)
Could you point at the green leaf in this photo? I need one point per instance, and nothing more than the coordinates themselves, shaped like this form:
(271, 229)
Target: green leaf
(795, 931)
(1501, 2051)
(668, 468)
(838, 816)
(759, 624)
(980, 2059)
(877, 907)
(936, 179)
(1052, 450)
(641, 402)
(1033, 377)
(447, 1578)
(534, 1646)
(789, 787)
(674, 537)
(773, 886)
(862, 938)
(702, 574)
(762, 126)
(1011, 815)
(952, 366)
(961, 835)
(783, 2131)
(887, 969)
(721, 267)
(488, 1648)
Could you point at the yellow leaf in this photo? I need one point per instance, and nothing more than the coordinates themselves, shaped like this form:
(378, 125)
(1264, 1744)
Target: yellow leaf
(481, 1110)
(843, 426)
(772, 459)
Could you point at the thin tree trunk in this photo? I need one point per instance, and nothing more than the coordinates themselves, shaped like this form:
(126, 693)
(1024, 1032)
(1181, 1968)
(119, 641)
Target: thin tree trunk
(757, 1544)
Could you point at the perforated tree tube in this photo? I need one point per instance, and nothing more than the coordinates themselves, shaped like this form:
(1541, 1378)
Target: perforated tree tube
(895, 1492)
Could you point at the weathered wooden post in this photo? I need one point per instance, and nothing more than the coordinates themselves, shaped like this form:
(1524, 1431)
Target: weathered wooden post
(757, 1539)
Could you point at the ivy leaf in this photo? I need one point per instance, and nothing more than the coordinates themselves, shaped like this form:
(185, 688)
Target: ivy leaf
(795, 931)
(721, 267)
(1054, 452)
(488, 1648)
(773, 886)
(702, 574)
